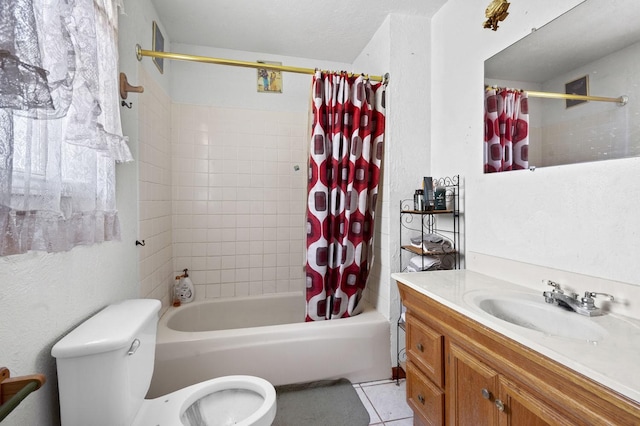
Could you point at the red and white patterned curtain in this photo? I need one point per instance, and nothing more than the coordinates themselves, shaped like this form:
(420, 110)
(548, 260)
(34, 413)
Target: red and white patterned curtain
(506, 130)
(346, 150)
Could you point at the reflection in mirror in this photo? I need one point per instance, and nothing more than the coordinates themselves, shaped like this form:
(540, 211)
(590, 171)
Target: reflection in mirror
(593, 49)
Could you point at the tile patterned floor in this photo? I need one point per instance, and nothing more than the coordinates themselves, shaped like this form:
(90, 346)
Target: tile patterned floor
(386, 402)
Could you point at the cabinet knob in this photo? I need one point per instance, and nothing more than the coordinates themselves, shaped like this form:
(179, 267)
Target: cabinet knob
(420, 347)
(421, 399)
(486, 394)
(500, 405)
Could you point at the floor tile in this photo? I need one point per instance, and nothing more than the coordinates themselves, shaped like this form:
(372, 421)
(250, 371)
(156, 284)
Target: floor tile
(388, 400)
(373, 416)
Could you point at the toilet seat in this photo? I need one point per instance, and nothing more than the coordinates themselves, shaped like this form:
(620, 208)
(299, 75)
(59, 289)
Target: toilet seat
(167, 410)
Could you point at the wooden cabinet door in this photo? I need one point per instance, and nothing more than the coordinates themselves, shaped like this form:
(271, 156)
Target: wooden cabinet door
(520, 408)
(472, 387)
(425, 399)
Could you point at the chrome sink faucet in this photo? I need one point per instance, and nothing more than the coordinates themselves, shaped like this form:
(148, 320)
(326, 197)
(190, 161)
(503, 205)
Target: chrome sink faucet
(581, 305)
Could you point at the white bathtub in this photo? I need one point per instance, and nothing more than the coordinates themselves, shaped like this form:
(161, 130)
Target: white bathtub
(266, 336)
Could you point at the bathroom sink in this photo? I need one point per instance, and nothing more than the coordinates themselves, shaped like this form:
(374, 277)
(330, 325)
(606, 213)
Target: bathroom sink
(530, 311)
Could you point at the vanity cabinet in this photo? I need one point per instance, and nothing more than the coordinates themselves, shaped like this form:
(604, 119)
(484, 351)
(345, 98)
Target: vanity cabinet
(425, 399)
(472, 386)
(481, 396)
(460, 372)
(524, 408)
(425, 373)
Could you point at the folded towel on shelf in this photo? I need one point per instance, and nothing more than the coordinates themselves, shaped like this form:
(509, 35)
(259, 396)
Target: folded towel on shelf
(410, 268)
(448, 261)
(423, 263)
(433, 243)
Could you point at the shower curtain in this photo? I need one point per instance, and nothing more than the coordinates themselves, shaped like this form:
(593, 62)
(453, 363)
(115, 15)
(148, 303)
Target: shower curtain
(506, 132)
(346, 150)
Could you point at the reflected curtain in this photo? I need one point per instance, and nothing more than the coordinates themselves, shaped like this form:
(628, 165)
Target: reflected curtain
(506, 133)
(346, 152)
(60, 130)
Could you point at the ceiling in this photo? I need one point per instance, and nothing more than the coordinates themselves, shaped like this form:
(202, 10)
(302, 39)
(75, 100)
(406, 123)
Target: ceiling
(331, 30)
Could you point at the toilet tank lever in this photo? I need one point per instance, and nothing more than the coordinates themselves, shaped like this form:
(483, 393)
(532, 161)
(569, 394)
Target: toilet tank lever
(134, 347)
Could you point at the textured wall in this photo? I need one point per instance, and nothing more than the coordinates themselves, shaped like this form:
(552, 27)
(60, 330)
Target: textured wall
(235, 87)
(375, 59)
(43, 296)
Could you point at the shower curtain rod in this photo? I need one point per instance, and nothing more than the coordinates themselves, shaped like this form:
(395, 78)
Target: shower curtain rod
(622, 100)
(140, 52)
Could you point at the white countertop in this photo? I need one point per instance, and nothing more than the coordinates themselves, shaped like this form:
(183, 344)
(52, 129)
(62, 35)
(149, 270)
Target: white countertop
(611, 360)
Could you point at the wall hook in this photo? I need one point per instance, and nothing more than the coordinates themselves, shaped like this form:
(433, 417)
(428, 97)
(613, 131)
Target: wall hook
(140, 243)
(125, 87)
(125, 104)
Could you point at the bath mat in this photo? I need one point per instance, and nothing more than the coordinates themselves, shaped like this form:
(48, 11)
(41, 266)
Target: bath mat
(322, 403)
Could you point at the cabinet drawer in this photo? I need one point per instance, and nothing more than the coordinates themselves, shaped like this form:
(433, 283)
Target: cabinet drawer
(425, 349)
(425, 398)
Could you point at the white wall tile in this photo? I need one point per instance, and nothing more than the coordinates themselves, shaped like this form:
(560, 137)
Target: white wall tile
(227, 290)
(234, 210)
(155, 191)
(256, 288)
(241, 289)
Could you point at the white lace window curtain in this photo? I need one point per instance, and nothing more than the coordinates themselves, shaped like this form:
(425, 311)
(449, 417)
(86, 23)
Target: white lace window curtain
(60, 130)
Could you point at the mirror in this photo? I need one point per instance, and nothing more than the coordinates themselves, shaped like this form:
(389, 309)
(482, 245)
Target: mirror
(594, 47)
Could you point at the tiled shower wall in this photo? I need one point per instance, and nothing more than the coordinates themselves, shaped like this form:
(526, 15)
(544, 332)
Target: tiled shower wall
(154, 168)
(238, 199)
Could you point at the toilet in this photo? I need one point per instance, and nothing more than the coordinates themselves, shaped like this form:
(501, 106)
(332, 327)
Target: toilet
(104, 372)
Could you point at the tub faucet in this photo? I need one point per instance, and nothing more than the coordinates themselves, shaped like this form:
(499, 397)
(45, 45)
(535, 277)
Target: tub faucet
(581, 305)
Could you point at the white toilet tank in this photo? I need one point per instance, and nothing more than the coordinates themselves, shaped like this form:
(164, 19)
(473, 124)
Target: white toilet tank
(106, 363)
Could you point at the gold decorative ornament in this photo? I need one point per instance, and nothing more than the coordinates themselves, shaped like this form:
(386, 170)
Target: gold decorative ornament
(496, 12)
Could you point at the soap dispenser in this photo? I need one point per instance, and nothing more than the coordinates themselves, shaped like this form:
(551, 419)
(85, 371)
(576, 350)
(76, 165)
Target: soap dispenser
(185, 291)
